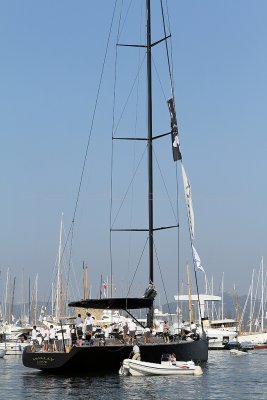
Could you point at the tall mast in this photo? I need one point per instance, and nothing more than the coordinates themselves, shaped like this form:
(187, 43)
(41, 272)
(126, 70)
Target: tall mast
(59, 272)
(150, 154)
(262, 297)
(36, 298)
(29, 294)
(6, 296)
(12, 300)
(222, 295)
(22, 306)
(251, 303)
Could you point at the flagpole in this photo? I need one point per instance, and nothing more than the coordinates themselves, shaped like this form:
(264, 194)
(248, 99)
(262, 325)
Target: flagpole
(222, 294)
(262, 296)
(100, 291)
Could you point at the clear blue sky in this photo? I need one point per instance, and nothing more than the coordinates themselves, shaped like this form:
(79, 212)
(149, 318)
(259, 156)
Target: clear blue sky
(51, 56)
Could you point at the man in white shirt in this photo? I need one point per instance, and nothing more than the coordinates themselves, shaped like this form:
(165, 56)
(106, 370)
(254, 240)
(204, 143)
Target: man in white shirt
(165, 332)
(46, 338)
(67, 336)
(34, 338)
(88, 323)
(52, 338)
(79, 326)
(132, 330)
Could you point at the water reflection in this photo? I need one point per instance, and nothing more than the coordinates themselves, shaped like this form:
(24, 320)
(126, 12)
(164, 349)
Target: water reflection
(224, 377)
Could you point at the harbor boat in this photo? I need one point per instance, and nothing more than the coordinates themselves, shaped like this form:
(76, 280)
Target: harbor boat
(92, 355)
(219, 332)
(15, 342)
(141, 368)
(255, 338)
(258, 346)
(13, 348)
(244, 346)
(219, 338)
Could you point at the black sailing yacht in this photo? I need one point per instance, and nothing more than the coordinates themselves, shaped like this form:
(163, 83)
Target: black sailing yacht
(109, 357)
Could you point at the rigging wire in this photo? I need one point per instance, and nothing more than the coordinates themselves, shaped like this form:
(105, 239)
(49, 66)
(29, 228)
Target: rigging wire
(166, 189)
(125, 18)
(135, 84)
(71, 230)
(160, 81)
(176, 218)
(135, 272)
(167, 49)
(172, 91)
(164, 287)
(170, 69)
(129, 95)
(112, 155)
(129, 186)
(130, 238)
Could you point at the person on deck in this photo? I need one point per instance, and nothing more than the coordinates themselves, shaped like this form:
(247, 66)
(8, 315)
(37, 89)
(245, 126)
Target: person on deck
(147, 335)
(132, 330)
(34, 338)
(125, 332)
(183, 334)
(52, 338)
(46, 339)
(79, 326)
(165, 332)
(73, 335)
(88, 323)
(67, 336)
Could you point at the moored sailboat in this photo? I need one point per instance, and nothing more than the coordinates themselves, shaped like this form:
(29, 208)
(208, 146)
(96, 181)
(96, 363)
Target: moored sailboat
(93, 356)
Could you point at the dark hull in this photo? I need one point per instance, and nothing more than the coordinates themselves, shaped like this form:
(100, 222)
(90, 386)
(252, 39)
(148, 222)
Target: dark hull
(100, 358)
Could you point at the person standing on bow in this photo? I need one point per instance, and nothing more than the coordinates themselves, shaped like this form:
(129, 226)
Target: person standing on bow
(147, 334)
(46, 339)
(34, 338)
(52, 338)
(132, 331)
(88, 323)
(165, 332)
(79, 326)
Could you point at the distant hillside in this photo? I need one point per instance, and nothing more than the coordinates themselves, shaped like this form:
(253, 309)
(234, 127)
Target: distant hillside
(233, 307)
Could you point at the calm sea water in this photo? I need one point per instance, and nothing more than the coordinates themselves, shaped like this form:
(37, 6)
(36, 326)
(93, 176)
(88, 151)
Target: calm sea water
(225, 377)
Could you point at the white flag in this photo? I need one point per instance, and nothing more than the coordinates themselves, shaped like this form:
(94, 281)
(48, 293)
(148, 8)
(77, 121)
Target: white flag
(189, 205)
(197, 260)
